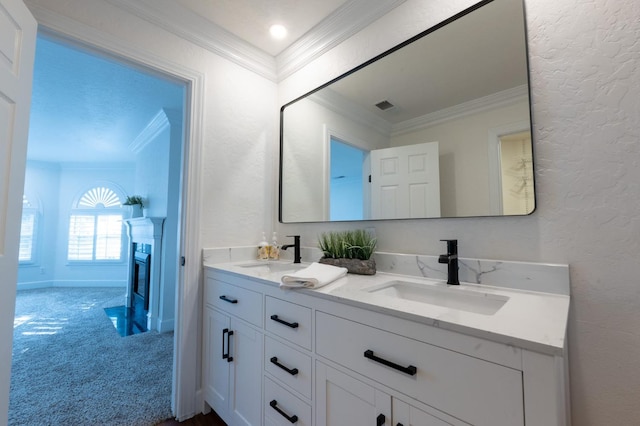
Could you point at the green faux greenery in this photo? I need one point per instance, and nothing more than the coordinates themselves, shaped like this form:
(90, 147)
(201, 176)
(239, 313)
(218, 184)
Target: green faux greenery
(356, 244)
(132, 200)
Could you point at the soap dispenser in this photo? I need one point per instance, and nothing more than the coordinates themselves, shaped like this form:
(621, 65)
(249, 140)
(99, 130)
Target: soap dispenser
(263, 248)
(274, 250)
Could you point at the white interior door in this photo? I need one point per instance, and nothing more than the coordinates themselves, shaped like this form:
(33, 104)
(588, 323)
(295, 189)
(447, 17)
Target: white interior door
(405, 182)
(17, 51)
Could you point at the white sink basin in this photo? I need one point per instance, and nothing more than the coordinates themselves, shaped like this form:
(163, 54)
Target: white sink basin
(269, 267)
(449, 297)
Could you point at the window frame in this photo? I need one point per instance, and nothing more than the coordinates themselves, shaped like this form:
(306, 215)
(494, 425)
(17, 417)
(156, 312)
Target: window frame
(33, 255)
(97, 212)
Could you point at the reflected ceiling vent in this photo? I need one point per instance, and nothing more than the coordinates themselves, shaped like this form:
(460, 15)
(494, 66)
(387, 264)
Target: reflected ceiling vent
(385, 105)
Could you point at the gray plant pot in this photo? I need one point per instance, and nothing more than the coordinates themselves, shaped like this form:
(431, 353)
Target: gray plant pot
(354, 266)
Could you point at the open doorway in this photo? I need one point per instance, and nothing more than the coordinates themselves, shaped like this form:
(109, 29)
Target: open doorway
(130, 147)
(346, 181)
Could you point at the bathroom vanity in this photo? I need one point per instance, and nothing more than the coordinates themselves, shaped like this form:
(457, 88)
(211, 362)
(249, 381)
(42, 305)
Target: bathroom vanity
(390, 349)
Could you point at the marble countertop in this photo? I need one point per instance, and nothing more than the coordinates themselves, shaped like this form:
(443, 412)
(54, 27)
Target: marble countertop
(529, 319)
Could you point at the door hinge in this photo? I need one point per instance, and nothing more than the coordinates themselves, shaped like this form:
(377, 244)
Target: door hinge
(182, 260)
(369, 178)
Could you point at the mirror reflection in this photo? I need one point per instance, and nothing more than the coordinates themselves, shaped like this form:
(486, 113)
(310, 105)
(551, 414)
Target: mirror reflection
(437, 127)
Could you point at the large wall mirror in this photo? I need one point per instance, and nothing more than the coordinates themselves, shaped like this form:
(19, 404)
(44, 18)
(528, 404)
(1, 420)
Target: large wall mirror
(439, 126)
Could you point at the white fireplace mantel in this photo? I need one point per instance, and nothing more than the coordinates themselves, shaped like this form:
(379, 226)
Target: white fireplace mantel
(147, 230)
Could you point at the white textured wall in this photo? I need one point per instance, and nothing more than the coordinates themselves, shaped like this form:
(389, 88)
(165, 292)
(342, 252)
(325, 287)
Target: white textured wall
(152, 174)
(42, 181)
(585, 77)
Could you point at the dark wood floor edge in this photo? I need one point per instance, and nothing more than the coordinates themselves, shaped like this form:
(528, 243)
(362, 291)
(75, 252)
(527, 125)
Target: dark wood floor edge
(209, 419)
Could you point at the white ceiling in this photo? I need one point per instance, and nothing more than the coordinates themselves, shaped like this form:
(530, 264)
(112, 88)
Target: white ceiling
(250, 20)
(87, 108)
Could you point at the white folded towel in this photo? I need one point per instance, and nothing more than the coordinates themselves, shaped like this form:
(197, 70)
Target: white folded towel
(315, 275)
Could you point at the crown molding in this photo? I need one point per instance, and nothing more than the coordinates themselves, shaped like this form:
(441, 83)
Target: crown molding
(475, 106)
(344, 22)
(347, 20)
(179, 21)
(157, 125)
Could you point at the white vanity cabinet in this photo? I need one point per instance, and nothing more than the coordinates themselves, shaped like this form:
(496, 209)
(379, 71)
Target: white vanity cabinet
(307, 358)
(471, 389)
(232, 358)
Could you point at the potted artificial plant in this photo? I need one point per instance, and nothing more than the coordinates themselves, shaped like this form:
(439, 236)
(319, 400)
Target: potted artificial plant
(136, 203)
(349, 249)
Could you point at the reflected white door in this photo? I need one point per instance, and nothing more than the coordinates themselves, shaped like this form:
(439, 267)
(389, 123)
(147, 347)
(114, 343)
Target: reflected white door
(17, 51)
(405, 182)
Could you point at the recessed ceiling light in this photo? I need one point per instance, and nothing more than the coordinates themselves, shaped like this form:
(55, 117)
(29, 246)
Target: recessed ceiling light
(278, 31)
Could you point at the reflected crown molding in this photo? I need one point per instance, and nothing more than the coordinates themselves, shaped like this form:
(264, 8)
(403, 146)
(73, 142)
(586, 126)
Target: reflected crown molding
(475, 106)
(347, 20)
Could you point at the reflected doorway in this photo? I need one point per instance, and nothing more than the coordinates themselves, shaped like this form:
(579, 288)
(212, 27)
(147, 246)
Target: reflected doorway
(346, 181)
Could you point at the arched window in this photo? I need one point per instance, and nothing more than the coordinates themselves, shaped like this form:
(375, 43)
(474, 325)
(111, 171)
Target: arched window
(95, 226)
(28, 230)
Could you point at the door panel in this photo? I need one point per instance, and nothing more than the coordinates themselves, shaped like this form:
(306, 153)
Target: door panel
(342, 400)
(216, 367)
(17, 51)
(405, 182)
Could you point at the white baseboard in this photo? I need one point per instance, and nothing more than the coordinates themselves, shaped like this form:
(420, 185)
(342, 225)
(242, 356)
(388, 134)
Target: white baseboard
(34, 285)
(72, 283)
(165, 325)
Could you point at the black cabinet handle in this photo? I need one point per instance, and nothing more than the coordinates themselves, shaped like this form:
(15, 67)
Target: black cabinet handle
(380, 420)
(410, 370)
(226, 299)
(288, 324)
(226, 355)
(224, 332)
(293, 372)
(274, 405)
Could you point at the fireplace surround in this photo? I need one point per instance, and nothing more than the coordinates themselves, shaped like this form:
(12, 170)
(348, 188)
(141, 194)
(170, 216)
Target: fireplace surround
(145, 266)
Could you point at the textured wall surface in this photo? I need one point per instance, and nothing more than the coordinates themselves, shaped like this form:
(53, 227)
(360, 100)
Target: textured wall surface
(585, 77)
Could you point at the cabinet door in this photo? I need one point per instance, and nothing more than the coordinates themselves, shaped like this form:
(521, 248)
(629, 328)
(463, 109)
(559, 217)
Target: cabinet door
(342, 400)
(408, 415)
(246, 374)
(216, 368)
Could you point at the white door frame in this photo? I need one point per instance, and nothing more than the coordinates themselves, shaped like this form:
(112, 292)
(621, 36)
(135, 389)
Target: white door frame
(186, 338)
(495, 171)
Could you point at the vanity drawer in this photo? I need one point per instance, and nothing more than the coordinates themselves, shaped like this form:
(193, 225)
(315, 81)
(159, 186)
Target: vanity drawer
(289, 321)
(280, 407)
(238, 301)
(291, 367)
(476, 391)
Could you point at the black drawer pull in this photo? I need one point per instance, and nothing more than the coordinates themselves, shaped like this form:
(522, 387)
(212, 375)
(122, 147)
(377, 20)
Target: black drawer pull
(380, 420)
(293, 372)
(288, 324)
(226, 299)
(274, 405)
(410, 370)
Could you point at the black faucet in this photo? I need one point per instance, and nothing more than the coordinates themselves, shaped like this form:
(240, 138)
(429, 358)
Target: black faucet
(451, 259)
(296, 247)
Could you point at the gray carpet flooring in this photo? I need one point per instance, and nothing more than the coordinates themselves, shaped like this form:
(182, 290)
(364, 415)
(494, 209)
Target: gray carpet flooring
(71, 367)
